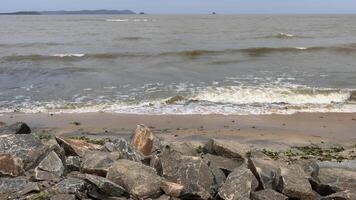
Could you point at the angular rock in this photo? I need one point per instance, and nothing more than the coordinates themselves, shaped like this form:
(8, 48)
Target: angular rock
(73, 163)
(71, 185)
(144, 140)
(63, 197)
(336, 180)
(266, 170)
(310, 167)
(98, 162)
(10, 166)
(16, 128)
(191, 172)
(13, 185)
(267, 195)
(182, 147)
(172, 189)
(238, 185)
(74, 147)
(225, 164)
(227, 149)
(345, 195)
(50, 168)
(26, 147)
(126, 150)
(139, 180)
(294, 183)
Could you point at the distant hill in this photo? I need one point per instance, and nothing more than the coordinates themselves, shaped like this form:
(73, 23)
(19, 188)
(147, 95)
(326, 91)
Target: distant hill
(79, 12)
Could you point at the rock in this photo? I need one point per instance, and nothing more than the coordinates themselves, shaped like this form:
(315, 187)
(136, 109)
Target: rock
(181, 147)
(310, 167)
(225, 164)
(139, 180)
(345, 195)
(227, 149)
(13, 185)
(26, 147)
(352, 96)
(76, 147)
(50, 168)
(10, 166)
(73, 163)
(294, 183)
(238, 185)
(17, 128)
(172, 189)
(191, 172)
(144, 140)
(155, 162)
(63, 197)
(266, 170)
(2, 124)
(336, 180)
(98, 162)
(126, 150)
(267, 195)
(71, 185)
(105, 186)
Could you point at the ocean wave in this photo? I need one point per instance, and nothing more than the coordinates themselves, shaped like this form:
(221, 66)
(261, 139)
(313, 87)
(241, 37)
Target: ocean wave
(283, 36)
(192, 54)
(117, 20)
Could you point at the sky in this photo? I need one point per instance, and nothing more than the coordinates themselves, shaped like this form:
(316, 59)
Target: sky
(188, 6)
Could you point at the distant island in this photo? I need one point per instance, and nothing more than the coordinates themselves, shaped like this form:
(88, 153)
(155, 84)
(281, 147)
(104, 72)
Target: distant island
(79, 12)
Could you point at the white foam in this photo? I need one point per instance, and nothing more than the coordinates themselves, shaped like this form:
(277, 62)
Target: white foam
(286, 35)
(69, 55)
(117, 20)
(302, 48)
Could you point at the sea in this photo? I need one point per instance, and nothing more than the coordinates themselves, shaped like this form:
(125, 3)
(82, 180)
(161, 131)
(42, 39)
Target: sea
(177, 64)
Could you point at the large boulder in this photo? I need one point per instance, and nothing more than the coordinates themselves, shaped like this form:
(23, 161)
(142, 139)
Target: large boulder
(294, 183)
(266, 170)
(73, 147)
(10, 166)
(106, 188)
(14, 188)
(73, 186)
(182, 147)
(227, 149)
(98, 162)
(238, 185)
(126, 150)
(50, 168)
(17, 128)
(225, 164)
(24, 146)
(145, 141)
(73, 163)
(191, 172)
(139, 180)
(344, 195)
(267, 195)
(336, 180)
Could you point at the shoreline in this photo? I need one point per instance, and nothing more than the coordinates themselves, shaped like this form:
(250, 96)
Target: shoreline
(272, 131)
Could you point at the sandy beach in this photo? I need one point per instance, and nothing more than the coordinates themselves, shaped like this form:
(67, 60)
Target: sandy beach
(262, 131)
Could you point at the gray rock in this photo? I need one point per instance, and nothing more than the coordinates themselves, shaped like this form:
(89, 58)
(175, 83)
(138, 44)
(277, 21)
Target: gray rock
(266, 170)
(98, 162)
(50, 168)
(294, 183)
(225, 164)
(73, 163)
(344, 195)
(105, 186)
(310, 167)
(139, 180)
(10, 166)
(26, 147)
(191, 172)
(227, 149)
(71, 185)
(268, 195)
(336, 180)
(63, 197)
(126, 150)
(74, 147)
(182, 147)
(13, 185)
(16, 128)
(238, 185)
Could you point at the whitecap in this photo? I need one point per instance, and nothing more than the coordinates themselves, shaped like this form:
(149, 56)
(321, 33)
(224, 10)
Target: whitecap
(63, 55)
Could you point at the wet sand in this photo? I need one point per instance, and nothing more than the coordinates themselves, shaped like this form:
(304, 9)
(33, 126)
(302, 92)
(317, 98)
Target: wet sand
(260, 130)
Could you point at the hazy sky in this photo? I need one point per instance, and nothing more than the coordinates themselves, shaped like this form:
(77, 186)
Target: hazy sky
(188, 6)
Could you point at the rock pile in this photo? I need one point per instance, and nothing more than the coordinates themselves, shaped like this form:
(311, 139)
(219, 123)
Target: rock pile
(147, 168)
